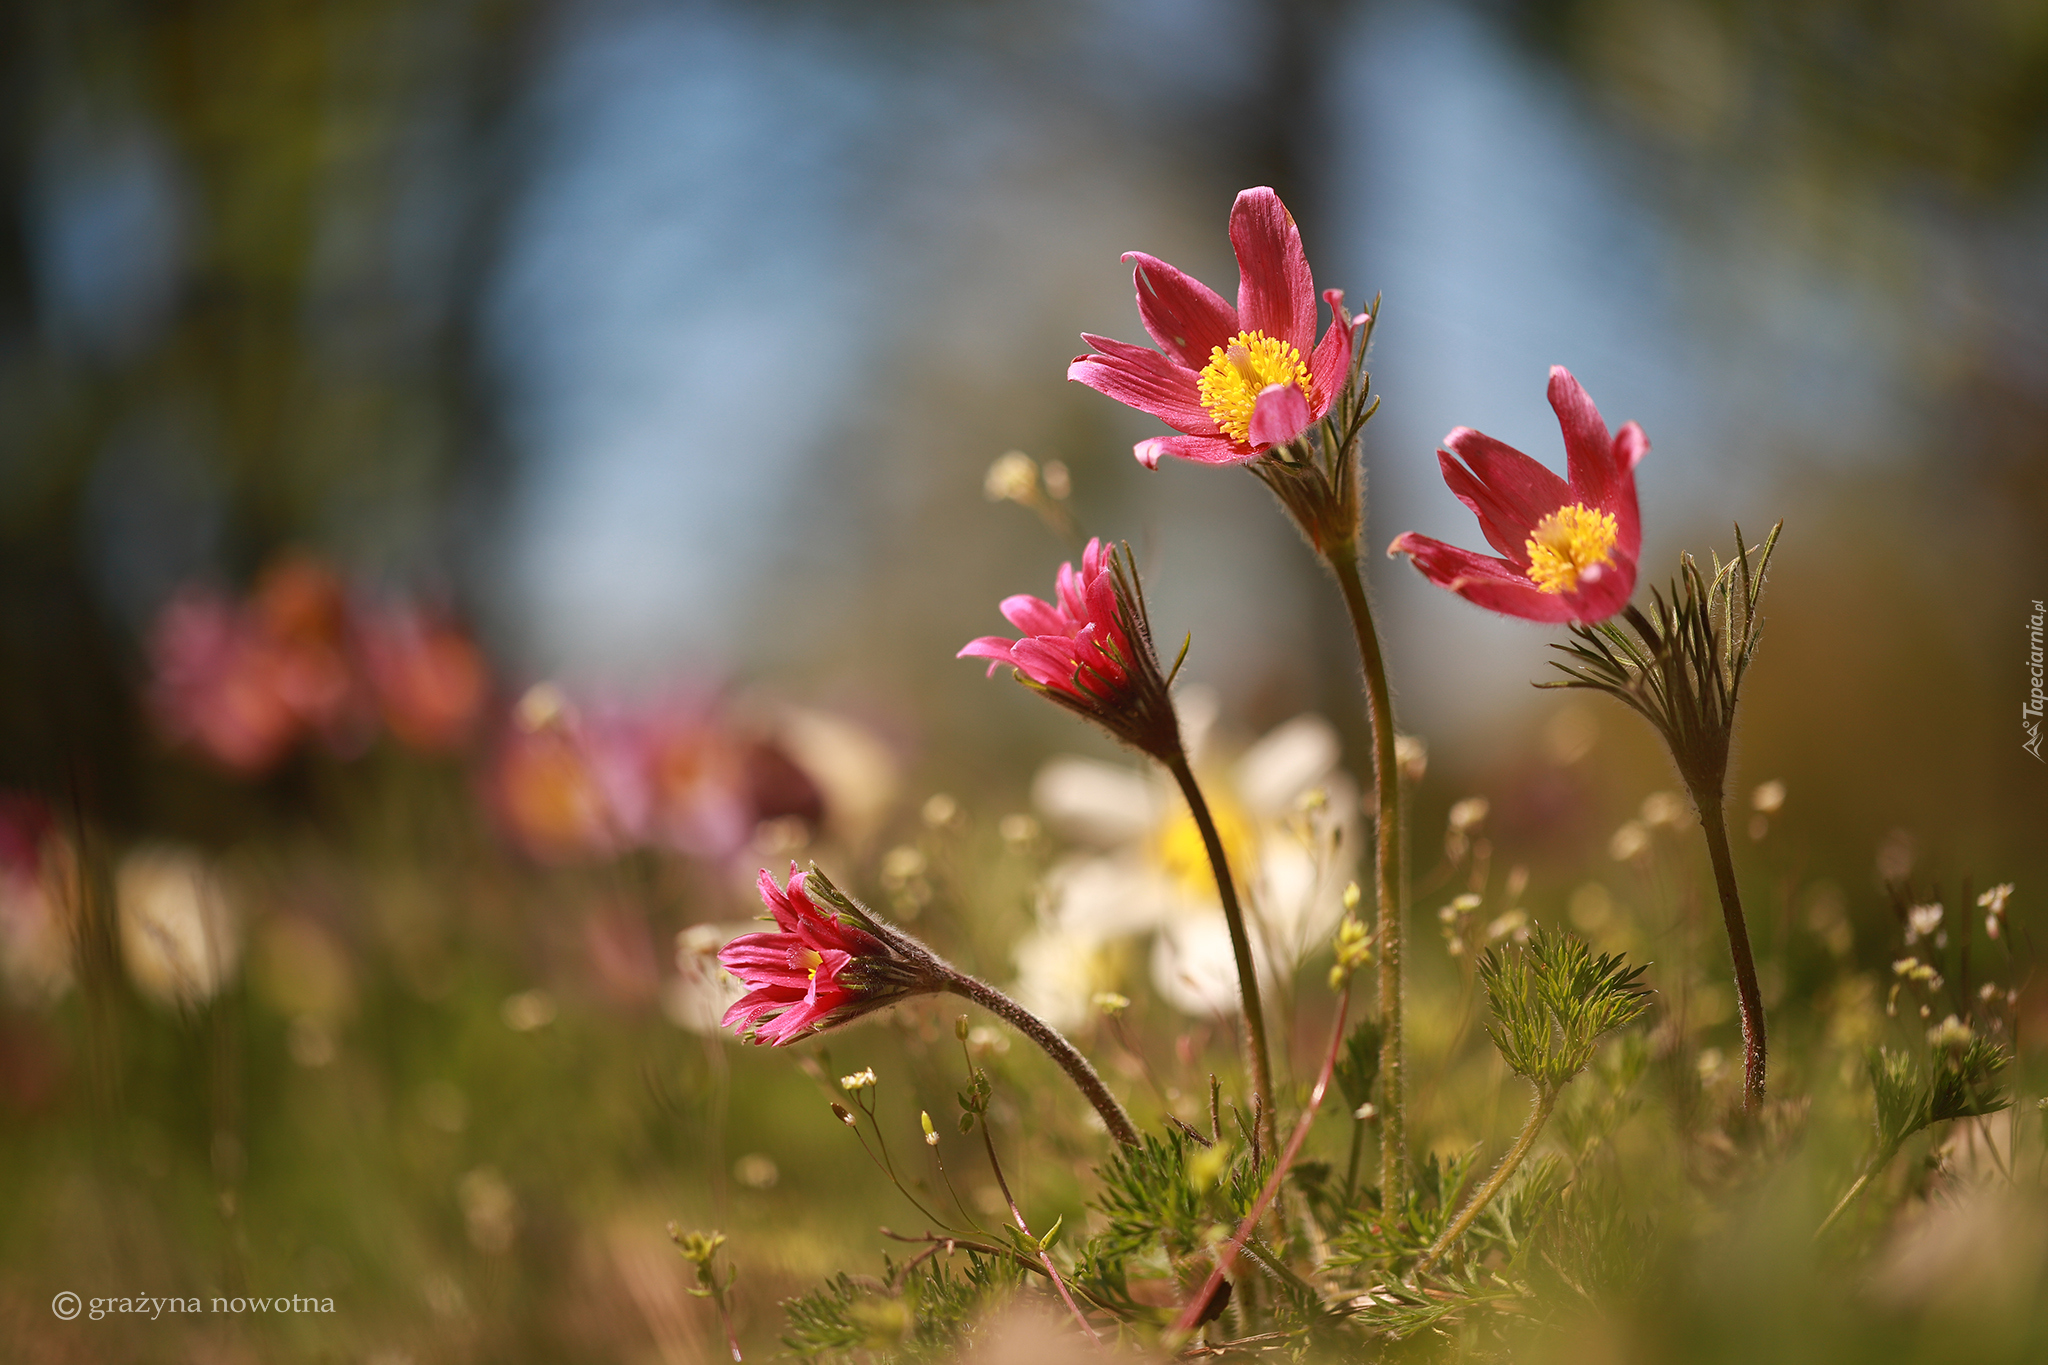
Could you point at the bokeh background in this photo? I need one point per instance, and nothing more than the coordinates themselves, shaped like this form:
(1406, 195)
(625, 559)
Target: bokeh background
(661, 349)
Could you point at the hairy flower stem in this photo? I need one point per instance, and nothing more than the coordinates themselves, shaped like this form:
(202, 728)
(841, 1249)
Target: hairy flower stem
(1342, 557)
(1240, 949)
(1749, 998)
(1053, 1044)
(1546, 1100)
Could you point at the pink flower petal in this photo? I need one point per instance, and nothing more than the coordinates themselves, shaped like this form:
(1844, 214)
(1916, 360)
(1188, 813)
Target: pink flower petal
(1275, 293)
(1186, 317)
(1588, 449)
(1492, 583)
(1603, 589)
(1506, 490)
(1330, 367)
(995, 648)
(1139, 377)
(1197, 449)
(1033, 616)
(1279, 414)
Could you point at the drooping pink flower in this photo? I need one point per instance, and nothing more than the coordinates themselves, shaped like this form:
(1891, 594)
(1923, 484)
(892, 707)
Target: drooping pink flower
(814, 972)
(1091, 651)
(1076, 645)
(1569, 545)
(1235, 382)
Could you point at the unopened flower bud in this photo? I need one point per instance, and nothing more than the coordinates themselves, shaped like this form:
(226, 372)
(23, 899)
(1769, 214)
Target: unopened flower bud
(844, 1115)
(931, 1136)
(1059, 485)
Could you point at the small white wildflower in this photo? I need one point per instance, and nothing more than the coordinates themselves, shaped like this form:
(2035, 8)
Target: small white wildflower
(527, 1011)
(1993, 902)
(1469, 814)
(1950, 1032)
(1662, 810)
(859, 1080)
(901, 864)
(1630, 841)
(1013, 477)
(1922, 921)
(542, 706)
(1411, 756)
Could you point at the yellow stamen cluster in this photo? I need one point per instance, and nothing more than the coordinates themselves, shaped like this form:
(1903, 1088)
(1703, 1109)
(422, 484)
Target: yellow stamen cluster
(1568, 542)
(1230, 383)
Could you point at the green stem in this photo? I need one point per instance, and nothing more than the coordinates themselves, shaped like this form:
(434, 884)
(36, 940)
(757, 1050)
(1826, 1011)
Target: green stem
(1748, 997)
(1240, 949)
(1545, 1100)
(1342, 557)
(1877, 1163)
(1054, 1045)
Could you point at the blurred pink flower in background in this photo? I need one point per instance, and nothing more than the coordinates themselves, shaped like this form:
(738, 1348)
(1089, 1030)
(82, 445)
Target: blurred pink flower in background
(428, 677)
(217, 684)
(1075, 646)
(1570, 545)
(245, 682)
(675, 774)
(1233, 381)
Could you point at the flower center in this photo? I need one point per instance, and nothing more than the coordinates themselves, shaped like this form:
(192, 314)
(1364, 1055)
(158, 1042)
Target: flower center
(1231, 381)
(1566, 544)
(806, 959)
(1185, 858)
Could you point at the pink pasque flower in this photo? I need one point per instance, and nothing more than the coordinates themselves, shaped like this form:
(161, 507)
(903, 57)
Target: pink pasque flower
(1076, 646)
(813, 973)
(1570, 546)
(1235, 382)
